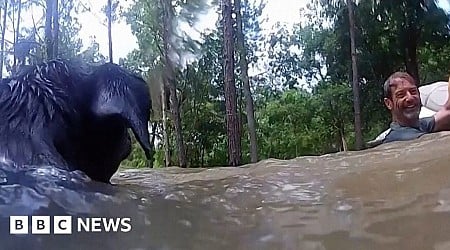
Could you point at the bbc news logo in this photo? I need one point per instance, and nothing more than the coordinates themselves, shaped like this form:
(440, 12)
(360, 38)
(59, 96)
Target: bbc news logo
(63, 225)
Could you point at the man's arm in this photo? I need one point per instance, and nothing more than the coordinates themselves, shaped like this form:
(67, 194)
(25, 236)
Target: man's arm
(442, 117)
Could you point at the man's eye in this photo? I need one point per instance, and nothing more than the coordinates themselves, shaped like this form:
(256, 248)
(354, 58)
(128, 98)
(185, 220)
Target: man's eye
(400, 95)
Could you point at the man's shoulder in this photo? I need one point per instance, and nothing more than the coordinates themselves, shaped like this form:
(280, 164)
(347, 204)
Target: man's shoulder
(426, 124)
(405, 133)
(401, 133)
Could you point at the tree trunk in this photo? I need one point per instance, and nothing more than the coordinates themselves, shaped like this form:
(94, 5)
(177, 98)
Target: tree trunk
(152, 144)
(202, 157)
(16, 35)
(2, 53)
(343, 141)
(109, 14)
(412, 66)
(169, 81)
(48, 29)
(177, 122)
(356, 101)
(55, 29)
(234, 147)
(165, 127)
(251, 123)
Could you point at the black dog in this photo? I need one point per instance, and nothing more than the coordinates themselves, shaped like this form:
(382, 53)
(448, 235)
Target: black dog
(113, 101)
(73, 116)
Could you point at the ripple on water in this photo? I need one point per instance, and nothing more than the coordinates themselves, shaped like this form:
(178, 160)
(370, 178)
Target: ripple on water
(297, 196)
(344, 164)
(343, 207)
(232, 192)
(252, 185)
(180, 195)
(19, 199)
(300, 204)
(185, 223)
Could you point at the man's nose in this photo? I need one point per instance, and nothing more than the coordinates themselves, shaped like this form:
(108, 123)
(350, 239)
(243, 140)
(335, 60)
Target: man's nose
(409, 96)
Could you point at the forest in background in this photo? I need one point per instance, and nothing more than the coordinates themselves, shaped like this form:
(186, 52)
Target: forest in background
(238, 94)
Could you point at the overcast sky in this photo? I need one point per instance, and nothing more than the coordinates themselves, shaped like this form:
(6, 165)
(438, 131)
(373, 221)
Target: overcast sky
(286, 11)
(123, 41)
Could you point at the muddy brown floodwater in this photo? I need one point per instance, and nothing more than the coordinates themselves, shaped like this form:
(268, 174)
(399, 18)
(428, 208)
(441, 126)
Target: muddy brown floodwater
(395, 196)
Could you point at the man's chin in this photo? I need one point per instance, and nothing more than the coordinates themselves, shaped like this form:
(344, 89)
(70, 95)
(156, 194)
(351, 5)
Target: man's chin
(413, 115)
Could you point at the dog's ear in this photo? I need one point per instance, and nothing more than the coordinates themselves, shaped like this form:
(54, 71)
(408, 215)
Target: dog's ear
(119, 93)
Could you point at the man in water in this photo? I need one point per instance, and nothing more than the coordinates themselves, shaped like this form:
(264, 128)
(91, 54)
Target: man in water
(402, 98)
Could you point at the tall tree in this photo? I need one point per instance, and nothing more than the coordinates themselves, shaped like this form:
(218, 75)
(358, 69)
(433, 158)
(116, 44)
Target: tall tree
(51, 28)
(48, 28)
(169, 79)
(165, 127)
(243, 62)
(109, 15)
(355, 79)
(2, 53)
(16, 35)
(234, 143)
(55, 28)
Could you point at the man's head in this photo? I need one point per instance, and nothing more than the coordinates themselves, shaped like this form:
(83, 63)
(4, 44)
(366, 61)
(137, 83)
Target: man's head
(402, 98)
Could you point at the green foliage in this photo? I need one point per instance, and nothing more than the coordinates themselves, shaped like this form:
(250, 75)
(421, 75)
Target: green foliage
(69, 44)
(92, 54)
(30, 46)
(319, 49)
(203, 115)
(302, 123)
(303, 95)
(284, 126)
(144, 18)
(136, 159)
(435, 62)
(303, 98)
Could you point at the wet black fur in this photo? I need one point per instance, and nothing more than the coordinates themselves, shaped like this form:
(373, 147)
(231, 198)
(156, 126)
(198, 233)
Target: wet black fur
(73, 116)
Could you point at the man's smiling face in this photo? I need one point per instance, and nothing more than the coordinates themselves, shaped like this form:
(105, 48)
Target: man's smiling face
(404, 102)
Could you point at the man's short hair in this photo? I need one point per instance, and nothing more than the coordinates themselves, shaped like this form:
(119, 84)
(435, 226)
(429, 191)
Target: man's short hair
(388, 83)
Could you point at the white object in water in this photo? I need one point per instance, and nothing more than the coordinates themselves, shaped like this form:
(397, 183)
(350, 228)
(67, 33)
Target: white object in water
(434, 96)
(426, 112)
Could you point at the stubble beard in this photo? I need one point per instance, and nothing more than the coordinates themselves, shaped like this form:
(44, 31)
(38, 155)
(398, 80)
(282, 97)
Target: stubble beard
(412, 114)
